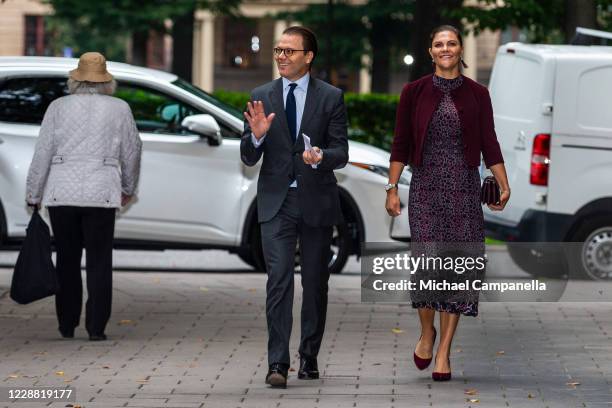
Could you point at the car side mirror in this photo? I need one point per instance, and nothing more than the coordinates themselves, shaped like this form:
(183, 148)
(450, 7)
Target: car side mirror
(204, 125)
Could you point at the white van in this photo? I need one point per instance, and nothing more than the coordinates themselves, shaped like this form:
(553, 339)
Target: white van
(553, 116)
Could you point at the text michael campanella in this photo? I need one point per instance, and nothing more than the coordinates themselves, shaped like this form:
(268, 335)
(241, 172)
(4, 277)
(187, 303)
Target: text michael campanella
(455, 264)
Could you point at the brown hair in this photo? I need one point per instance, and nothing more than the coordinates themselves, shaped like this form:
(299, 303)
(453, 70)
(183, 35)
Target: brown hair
(309, 39)
(452, 29)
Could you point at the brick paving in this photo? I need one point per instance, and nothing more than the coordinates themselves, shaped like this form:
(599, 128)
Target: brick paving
(198, 340)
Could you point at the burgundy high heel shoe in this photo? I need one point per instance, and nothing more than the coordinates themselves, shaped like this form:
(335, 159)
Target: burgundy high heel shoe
(441, 376)
(423, 363)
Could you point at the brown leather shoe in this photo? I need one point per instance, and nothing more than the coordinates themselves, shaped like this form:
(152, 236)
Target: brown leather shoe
(277, 375)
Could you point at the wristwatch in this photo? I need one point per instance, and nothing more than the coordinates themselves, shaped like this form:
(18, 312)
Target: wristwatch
(389, 186)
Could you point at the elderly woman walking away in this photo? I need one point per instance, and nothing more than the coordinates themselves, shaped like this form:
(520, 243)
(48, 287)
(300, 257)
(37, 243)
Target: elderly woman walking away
(85, 166)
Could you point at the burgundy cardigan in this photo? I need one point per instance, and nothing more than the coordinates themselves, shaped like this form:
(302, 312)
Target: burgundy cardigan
(419, 100)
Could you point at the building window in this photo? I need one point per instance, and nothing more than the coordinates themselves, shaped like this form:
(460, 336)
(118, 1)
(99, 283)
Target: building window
(36, 37)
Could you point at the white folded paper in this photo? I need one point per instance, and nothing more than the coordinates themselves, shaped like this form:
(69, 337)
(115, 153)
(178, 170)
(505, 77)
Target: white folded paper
(308, 147)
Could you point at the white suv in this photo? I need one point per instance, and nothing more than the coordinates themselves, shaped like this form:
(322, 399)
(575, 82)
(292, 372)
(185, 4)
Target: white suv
(194, 191)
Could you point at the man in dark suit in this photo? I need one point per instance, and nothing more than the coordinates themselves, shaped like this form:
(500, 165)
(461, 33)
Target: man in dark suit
(297, 195)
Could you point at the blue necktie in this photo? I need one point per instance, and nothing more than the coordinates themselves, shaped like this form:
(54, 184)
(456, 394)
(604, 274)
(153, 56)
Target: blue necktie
(290, 111)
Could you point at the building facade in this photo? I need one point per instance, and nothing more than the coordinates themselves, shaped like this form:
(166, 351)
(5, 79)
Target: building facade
(228, 53)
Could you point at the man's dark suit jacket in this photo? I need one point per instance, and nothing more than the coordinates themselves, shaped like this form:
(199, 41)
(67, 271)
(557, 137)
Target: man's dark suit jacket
(324, 121)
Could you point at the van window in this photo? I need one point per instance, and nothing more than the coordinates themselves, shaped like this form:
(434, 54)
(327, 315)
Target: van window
(595, 99)
(516, 87)
(25, 100)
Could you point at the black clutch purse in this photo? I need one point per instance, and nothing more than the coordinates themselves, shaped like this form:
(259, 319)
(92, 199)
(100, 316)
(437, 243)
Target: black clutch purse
(489, 193)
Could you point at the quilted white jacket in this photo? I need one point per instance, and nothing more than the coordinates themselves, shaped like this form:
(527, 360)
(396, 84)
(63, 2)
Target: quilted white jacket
(87, 153)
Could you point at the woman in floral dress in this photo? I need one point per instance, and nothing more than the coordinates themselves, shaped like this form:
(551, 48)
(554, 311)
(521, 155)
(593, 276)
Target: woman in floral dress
(444, 124)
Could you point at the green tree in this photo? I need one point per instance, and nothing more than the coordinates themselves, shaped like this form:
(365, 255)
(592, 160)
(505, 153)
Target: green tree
(104, 23)
(544, 20)
(378, 28)
(429, 14)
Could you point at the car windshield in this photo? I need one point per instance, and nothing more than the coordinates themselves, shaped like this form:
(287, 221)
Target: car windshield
(207, 97)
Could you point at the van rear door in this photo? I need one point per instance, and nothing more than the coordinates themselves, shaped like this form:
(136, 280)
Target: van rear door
(521, 90)
(581, 151)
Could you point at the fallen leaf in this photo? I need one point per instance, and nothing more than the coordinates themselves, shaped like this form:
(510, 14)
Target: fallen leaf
(458, 350)
(67, 381)
(60, 373)
(143, 381)
(40, 353)
(472, 400)
(203, 289)
(105, 367)
(572, 384)
(253, 290)
(471, 391)
(501, 353)
(125, 322)
(530, 395)
(397, 330)
(13, 376)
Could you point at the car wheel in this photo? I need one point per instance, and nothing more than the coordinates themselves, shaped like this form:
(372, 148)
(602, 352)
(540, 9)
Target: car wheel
(592, 259)
(259, 263)
(247, 258)
(339, 249)
(338, 255)
(537, 262)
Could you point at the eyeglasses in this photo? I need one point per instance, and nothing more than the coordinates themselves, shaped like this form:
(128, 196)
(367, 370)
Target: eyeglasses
(288, 51)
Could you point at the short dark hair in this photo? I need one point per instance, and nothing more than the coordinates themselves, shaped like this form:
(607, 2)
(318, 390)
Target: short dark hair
(452, 29)
(309, 39)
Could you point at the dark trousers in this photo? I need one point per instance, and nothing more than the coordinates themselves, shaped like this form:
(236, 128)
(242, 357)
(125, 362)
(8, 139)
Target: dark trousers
(279, 238)
(75, 228)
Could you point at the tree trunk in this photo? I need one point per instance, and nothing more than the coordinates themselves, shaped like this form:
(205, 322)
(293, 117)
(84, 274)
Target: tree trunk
(579, 13)
(381, 60)
(427, 16)
(139, 48)
(182, 45)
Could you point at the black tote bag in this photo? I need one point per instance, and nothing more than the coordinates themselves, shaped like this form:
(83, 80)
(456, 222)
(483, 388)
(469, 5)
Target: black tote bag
(34, 275)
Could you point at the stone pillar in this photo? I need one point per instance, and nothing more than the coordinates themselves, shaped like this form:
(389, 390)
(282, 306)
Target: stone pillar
(279, 27)
(204, 51)
(365, 79)
(470, 56)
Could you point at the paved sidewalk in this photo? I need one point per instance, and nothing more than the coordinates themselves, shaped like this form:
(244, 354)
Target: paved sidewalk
(198, 340)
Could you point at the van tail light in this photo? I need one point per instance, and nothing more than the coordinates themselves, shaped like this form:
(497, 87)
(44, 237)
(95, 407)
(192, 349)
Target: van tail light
(540, 160)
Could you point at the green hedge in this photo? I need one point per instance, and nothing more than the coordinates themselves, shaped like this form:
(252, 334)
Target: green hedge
(371, 116)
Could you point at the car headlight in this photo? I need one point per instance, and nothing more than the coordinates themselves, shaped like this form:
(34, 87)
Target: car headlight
(380, 170)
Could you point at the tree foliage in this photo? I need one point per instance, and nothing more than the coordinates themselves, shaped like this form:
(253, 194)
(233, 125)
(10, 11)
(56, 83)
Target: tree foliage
(377, 28)
(543, 20)
(104, 24)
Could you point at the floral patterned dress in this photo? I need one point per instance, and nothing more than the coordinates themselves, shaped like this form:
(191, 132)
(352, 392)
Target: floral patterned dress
(444, 200)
